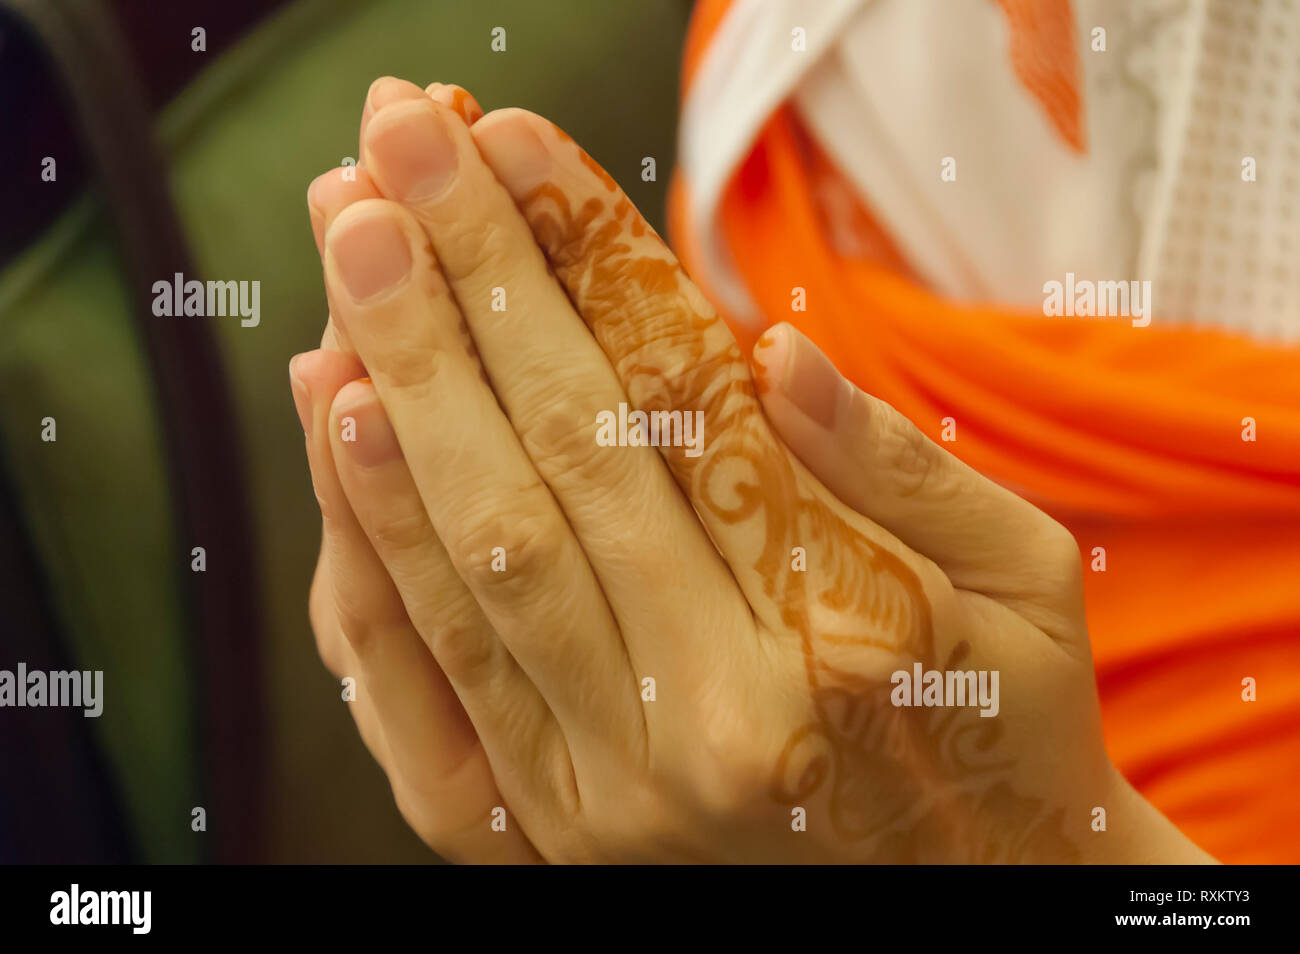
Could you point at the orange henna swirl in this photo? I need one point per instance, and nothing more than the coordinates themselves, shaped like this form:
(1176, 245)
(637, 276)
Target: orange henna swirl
(673, 353)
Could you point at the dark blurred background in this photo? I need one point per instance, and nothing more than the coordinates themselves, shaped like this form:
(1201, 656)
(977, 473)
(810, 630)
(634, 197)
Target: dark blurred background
(178, 433)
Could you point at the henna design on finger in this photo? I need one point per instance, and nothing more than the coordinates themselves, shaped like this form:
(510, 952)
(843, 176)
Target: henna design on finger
(860, 611)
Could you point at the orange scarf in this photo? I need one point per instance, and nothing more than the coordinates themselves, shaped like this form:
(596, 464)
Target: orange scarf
(1133, 440)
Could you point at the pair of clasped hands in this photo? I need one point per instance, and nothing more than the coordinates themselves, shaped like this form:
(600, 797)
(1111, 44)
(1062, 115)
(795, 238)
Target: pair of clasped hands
(565, 651)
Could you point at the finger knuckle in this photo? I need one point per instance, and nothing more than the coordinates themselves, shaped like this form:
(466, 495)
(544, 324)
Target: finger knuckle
(644, 822)
(413, 361)
(728, 773)
(478, 252)
(910, 457)
(560, 432)
(320, 613)
(398, 530)
(358, 630)
(466, 651)
(507, 548)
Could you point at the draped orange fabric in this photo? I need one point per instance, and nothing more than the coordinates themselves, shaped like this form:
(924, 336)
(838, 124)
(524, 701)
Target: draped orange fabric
(1131, 437)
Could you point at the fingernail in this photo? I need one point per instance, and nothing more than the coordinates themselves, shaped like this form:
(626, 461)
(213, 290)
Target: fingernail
(301, 396)
(390, 89)
(374, 440)
(372, 253)
(385, 90)
(804, 376)
(514, 150)
(413, 151)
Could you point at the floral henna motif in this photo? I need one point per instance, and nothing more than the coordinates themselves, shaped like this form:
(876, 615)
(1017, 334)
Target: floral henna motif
(672, 351)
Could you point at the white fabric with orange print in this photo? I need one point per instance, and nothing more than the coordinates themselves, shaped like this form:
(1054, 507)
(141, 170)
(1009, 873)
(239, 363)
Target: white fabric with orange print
(1115, 165)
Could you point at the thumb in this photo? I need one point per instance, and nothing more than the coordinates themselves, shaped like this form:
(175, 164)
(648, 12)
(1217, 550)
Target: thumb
(985, 538)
